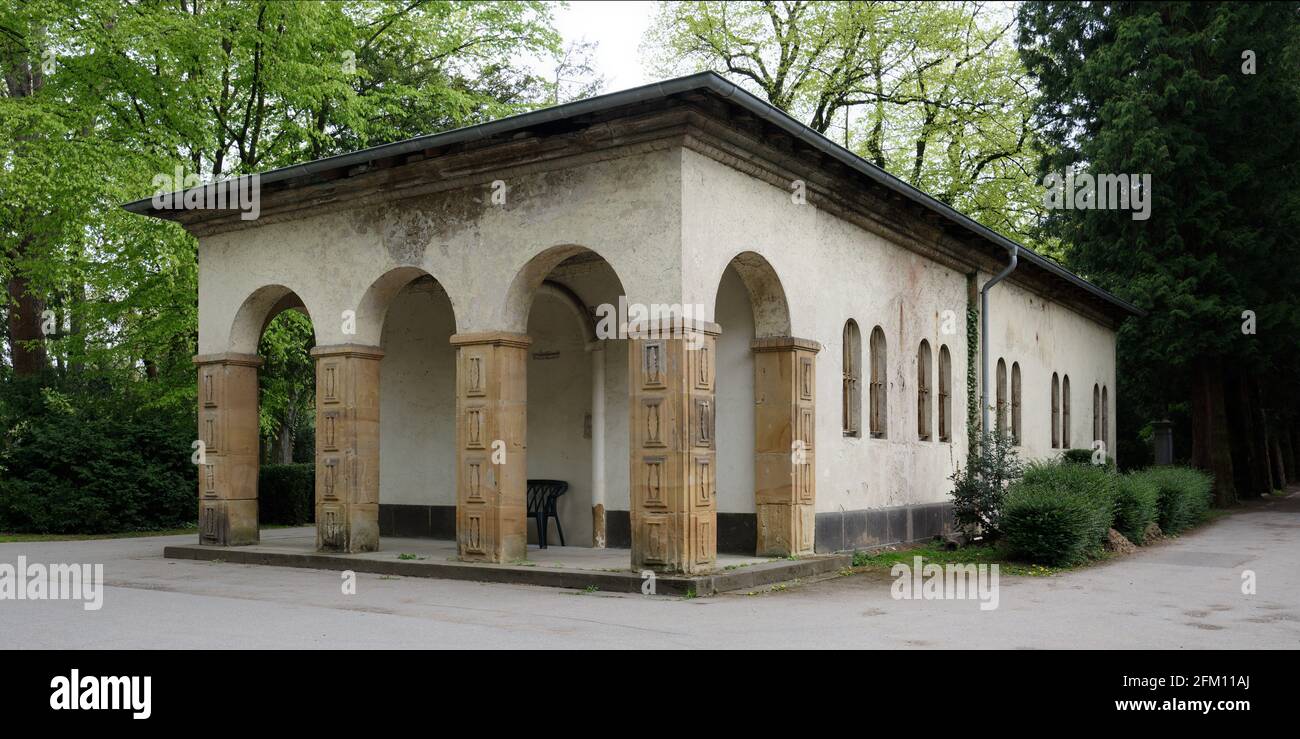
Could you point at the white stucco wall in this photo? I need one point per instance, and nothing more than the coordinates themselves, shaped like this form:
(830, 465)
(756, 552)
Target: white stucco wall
(417, 401)
(735, 397)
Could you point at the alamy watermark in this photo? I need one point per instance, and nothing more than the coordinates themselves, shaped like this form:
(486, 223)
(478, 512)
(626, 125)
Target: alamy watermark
(1079, 190)
(181, 191)
(649, 321)
(922, 581)
(36, 581)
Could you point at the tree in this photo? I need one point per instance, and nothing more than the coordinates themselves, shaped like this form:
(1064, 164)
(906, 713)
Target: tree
(934, 93)
(1163, 88)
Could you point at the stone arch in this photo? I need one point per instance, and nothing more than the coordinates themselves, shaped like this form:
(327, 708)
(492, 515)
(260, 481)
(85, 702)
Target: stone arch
(372, 309)
(256, 312)
(534, 273)
(766, 294)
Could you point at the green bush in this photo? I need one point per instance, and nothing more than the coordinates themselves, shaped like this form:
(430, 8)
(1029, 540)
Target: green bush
(979, 489)
(1184, 496)
(1059, 513)
(1084, 456)
(286, 494)
(93, 459)
(1136, 506)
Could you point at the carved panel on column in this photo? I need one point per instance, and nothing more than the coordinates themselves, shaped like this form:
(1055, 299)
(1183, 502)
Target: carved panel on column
(673, 467)
(347, 447)
(785, 445)
(228, 428)
(491, 396)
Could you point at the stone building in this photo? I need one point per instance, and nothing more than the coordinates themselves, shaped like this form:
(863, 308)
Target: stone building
(724, 331)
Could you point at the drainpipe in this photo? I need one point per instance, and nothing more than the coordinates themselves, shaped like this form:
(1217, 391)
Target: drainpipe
(984, 337)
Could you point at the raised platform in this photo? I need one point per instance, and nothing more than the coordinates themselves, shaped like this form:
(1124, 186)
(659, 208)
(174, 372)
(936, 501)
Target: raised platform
(578, 568)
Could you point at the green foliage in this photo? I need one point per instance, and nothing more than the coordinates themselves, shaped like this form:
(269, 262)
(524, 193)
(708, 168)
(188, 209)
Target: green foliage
(1084, 456)
(1185, 495)
(1161, 88)
(1059, 514)
(1137, 504)
(286, 494)
(934, 92)
(980, 487)
(92, 458)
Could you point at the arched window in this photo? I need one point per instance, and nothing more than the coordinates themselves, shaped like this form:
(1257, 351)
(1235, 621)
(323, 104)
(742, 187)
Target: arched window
(1105, 418)
(1096, 413)
(851, 401)
(1015, 402)
(1065, 412)
(1002, 397)
(945, 394)
(879, 410)
(1056, 411)
(924, 408)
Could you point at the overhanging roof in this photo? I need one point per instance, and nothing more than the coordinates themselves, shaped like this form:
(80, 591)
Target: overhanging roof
(704, 82)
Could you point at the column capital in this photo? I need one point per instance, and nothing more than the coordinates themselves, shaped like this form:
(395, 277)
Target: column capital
(495, 338)
(360, 351)
(784, 343)
(235, 358)
(674, 327)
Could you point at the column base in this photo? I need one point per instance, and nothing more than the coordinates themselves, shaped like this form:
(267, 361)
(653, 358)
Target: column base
(347, 528)
(228, 523)
(786, 530)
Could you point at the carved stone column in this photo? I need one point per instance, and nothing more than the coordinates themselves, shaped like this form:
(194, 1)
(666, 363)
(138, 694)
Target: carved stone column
(347, 447)
(491, 453)
(674, 453)
(228, 429)
(785, 479)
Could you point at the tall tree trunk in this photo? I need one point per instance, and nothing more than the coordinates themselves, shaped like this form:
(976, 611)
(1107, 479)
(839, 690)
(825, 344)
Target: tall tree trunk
(25, 325)
(1210, 446)
(1259, 437)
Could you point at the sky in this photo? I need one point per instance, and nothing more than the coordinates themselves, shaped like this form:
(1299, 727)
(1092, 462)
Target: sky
(617, 28)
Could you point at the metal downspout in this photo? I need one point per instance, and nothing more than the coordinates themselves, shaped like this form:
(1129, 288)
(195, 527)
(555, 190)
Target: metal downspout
(984, 337)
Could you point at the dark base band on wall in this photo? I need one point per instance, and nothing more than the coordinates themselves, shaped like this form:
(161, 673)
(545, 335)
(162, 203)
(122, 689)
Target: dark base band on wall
(838, 531)
(737, 532)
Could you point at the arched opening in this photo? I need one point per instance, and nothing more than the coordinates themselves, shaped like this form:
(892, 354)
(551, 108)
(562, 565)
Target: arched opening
(851, 384)
(1065, 412)
(1016, 428)
(1002, 397)
(1056, 411)
(1096, 413)
(412, 316)
(924, 409)
(754, 428)
(945, 394)
(577, 412)
(257, 425)
(1105, 418)
(879, 384)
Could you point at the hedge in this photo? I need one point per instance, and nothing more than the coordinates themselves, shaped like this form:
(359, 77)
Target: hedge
(1184, 496)
(1059, 513)
(286, 494)
(1084, 456)
(1137, 504)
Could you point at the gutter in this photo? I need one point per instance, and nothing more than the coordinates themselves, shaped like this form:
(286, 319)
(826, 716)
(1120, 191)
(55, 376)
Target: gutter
(984, 337)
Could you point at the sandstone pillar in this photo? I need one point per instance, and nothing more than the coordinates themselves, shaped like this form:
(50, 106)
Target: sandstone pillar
(347, 447)
(674, 453)
(491, 453)
(785, 419)
(228, 465)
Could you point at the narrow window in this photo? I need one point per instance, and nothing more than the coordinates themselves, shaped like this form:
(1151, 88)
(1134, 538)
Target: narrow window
(1065, 412)
(1105, 418)
(1096, 412)
(945, 394)
(1002, 396)
(851, 401)
(924, 410)
(1056, 411)
(1015, 402)
(879, 418)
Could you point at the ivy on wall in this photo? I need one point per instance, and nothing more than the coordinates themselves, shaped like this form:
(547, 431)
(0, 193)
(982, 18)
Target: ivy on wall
(972, 379)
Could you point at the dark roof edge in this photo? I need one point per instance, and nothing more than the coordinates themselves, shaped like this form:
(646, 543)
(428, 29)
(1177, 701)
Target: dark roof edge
(657, 90)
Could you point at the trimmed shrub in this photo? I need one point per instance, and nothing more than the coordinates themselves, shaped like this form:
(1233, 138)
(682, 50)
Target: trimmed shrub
(91, 460)
(286, 494)
(1184, 496)
(1059, 513)
(1084, 456)
(1137, 504)
(979, 489)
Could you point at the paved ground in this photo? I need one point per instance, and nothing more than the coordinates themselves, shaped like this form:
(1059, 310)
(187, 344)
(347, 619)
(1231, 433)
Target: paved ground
(1178, 594)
